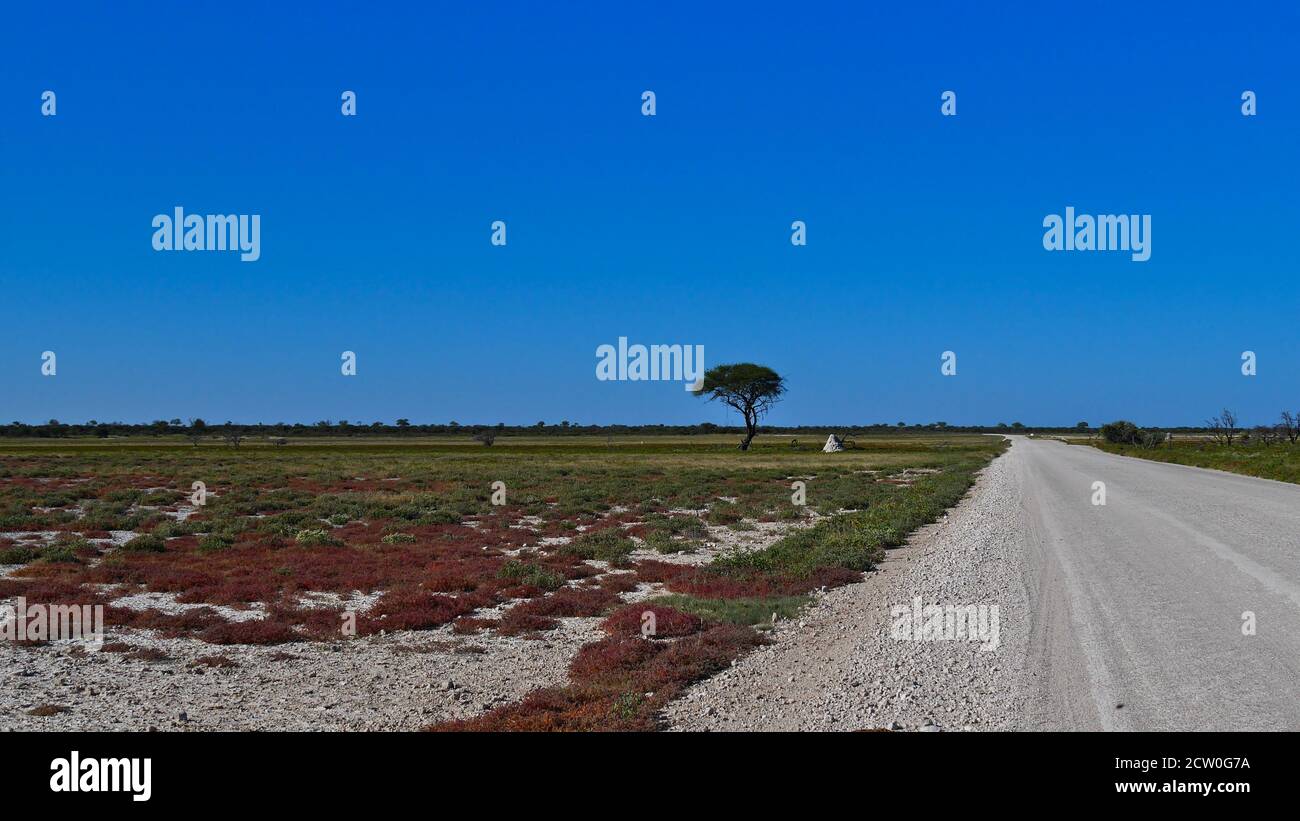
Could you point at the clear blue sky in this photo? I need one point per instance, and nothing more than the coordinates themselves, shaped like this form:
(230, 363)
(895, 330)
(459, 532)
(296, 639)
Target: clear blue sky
(924, 232)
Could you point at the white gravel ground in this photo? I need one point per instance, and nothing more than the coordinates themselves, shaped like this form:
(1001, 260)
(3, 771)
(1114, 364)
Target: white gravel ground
(402, 681)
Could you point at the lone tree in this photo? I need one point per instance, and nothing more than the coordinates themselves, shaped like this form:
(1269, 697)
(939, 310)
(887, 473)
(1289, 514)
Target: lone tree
(749, 388)
(1291, 426)
(1223, 427)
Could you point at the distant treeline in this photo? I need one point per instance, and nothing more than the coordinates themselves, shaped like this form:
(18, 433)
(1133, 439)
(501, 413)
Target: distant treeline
(402, 427)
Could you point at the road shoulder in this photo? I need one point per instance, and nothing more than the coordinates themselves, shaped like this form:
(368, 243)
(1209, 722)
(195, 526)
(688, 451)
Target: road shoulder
(839, 668)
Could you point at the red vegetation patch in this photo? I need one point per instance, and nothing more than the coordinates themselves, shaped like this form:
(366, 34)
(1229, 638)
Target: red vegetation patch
(147, 654)
(253, 631)
(309, 622)
(541, 614)
(518, 623)
(620, 582)
(611, 679)
(470, 624)
(170, 625)
(669, 622)
(414, 609)
(613, 662)
(712, 584)
(56, 589)
(46, 710)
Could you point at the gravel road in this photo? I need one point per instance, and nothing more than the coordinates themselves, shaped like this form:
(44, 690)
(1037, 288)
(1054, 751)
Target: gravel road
(1142, 602)
(1132, 615)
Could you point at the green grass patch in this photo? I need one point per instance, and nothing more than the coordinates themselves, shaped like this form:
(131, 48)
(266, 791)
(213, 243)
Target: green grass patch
(17, 554)
(608, 545)
(215, 543)
(1280, 461)
(531, 574)
(147, 543)
(751, 611)
(857, 541)
(316, 538)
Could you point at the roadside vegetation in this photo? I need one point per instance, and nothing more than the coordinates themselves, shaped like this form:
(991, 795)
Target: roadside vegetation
(1266, 451)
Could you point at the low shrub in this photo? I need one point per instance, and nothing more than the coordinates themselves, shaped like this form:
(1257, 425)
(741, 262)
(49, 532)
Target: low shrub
(148, 543)
(1124, 432)
(17, 554)
(608, 545)
(315, 538)
(724, 513)
(215, 542)
(252, 631)
(668, 622)
(65, 553)
(533, 575)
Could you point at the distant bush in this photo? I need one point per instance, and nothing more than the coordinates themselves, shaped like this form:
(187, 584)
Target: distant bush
(1151, 438)
(1126, 433)
(398, 538)
(1120, 433)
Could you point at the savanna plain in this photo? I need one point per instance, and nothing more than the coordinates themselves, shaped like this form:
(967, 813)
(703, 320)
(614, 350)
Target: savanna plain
(540, 583)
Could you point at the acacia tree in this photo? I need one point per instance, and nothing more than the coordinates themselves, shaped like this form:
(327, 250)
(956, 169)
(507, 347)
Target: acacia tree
(750, 389)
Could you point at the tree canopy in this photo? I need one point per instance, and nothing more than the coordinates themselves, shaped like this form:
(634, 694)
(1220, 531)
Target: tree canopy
(750, 389)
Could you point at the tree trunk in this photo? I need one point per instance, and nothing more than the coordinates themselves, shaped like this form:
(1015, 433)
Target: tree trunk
(751, 430)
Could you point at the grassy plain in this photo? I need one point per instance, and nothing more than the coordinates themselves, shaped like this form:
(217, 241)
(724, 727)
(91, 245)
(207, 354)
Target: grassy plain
(1280, 461)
